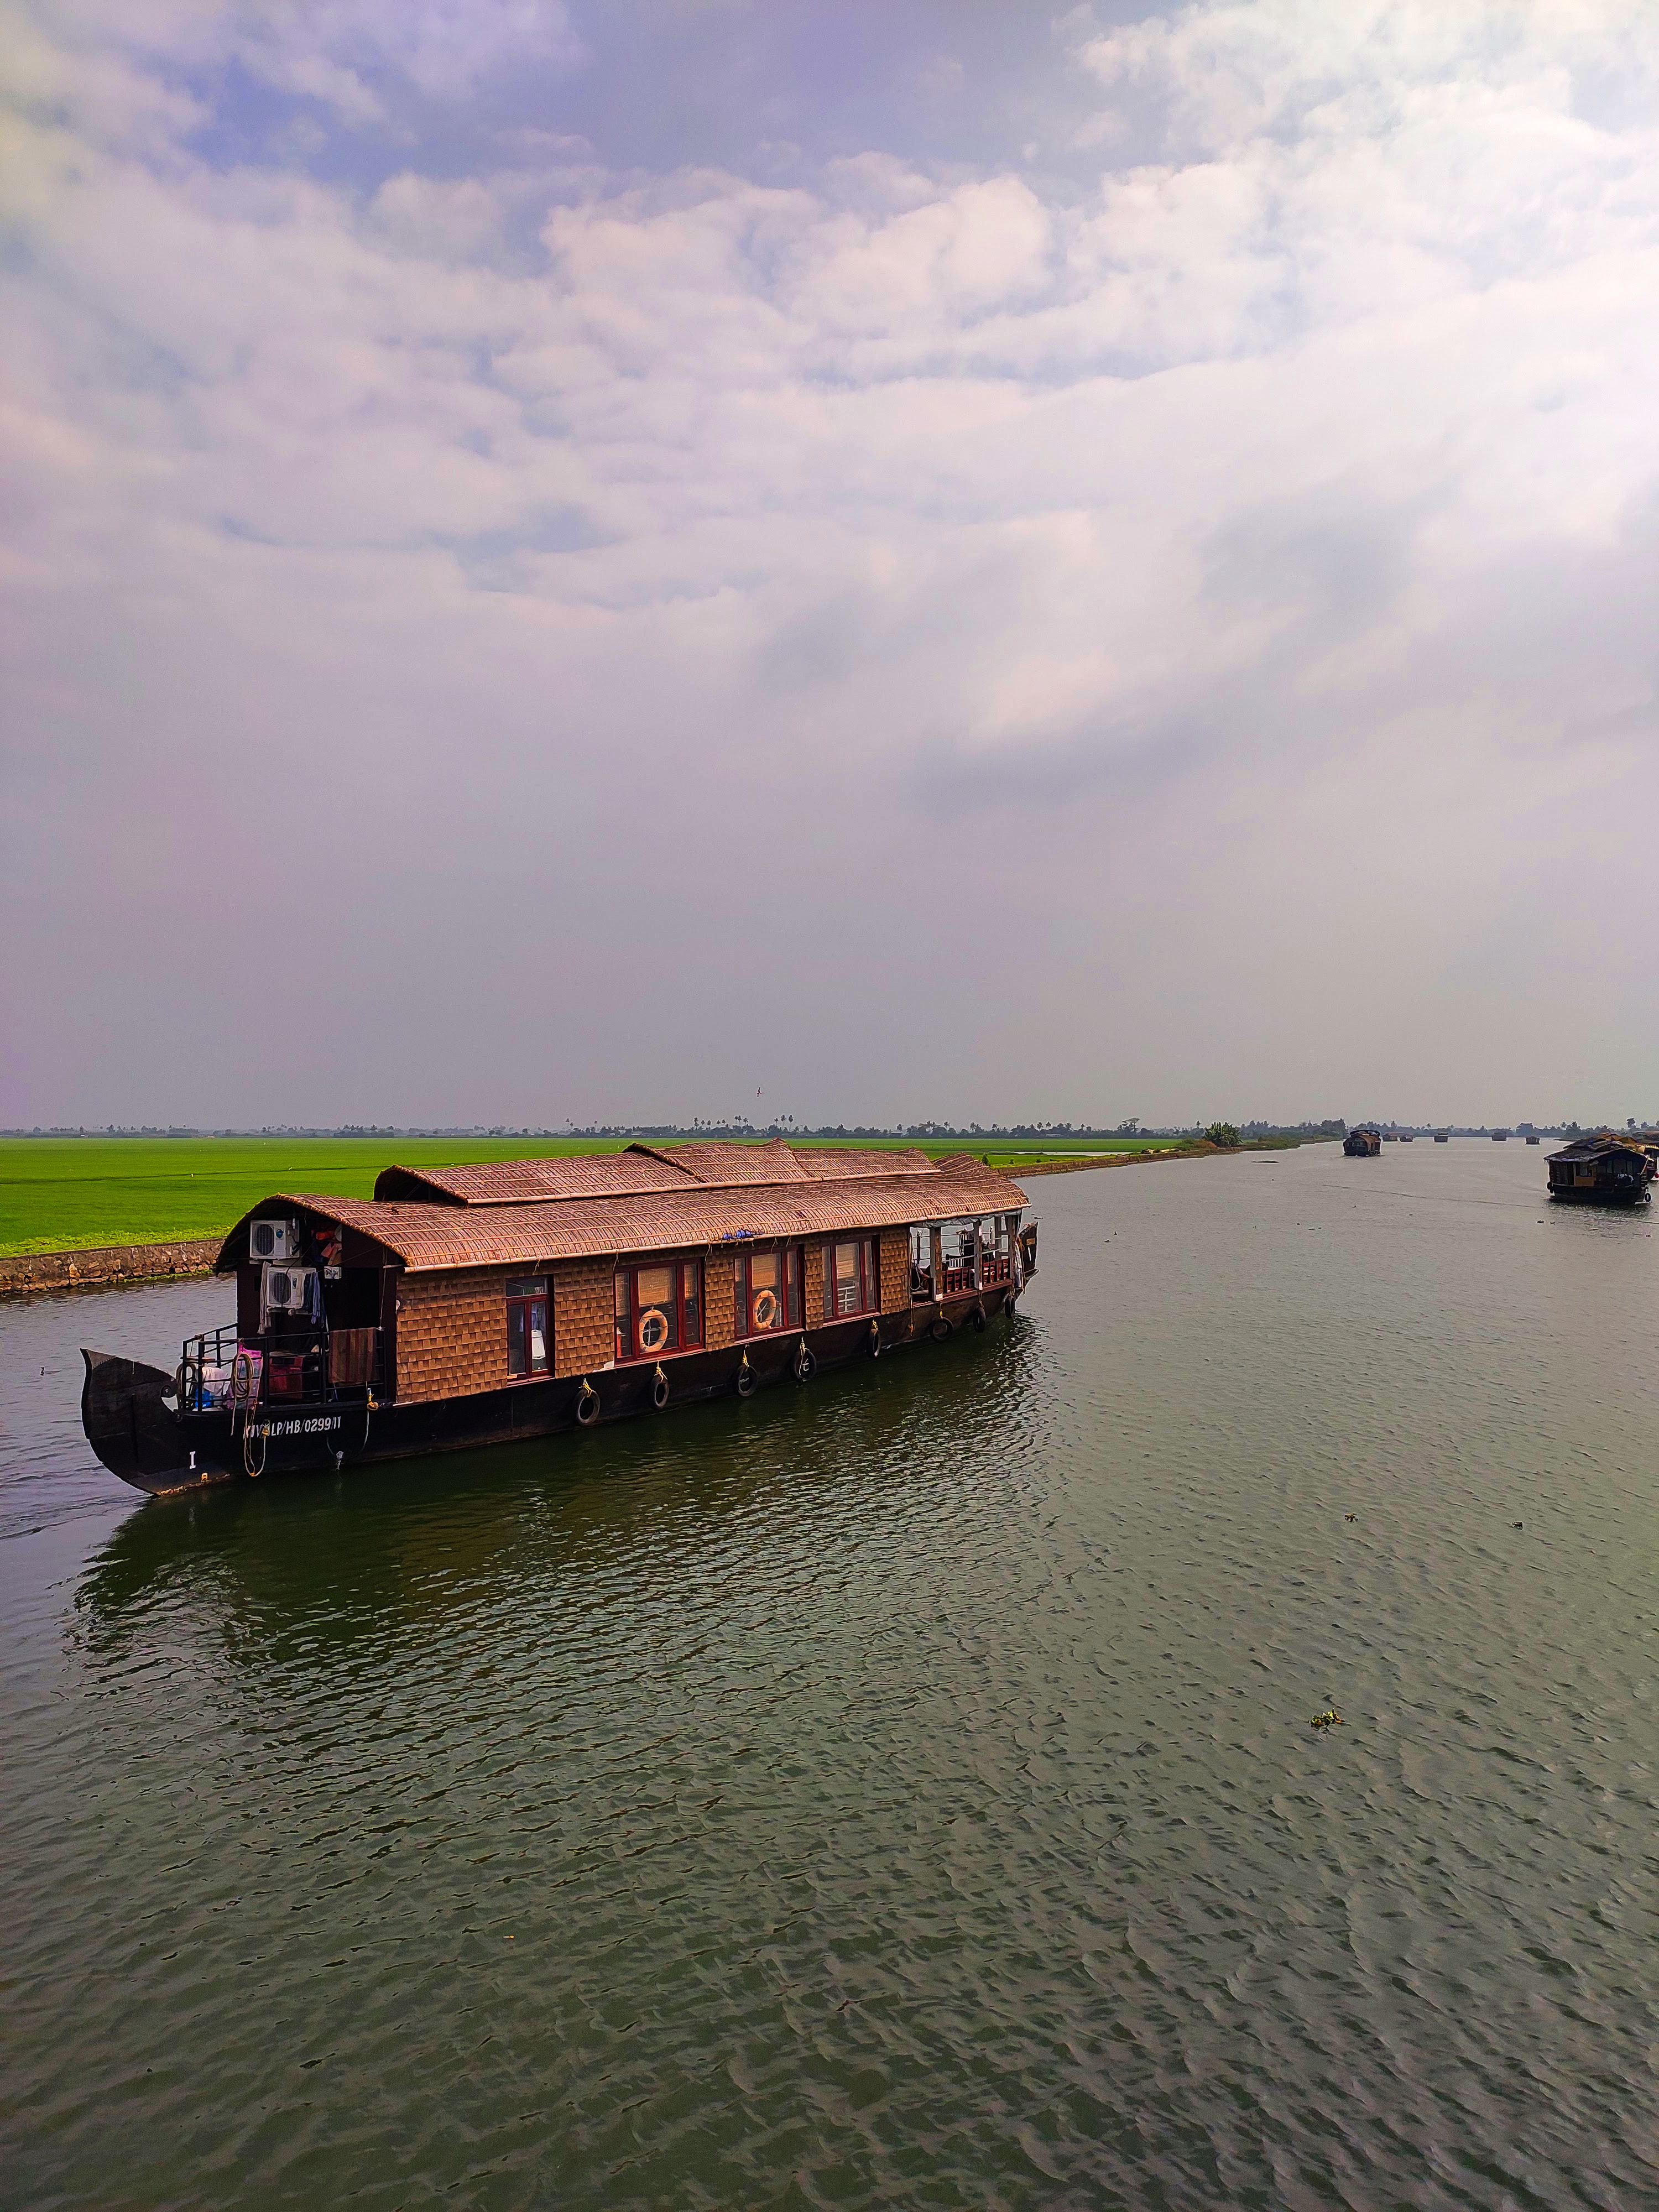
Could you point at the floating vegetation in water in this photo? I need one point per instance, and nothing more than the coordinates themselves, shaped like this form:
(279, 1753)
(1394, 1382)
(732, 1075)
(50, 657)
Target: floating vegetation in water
(1329, 1718)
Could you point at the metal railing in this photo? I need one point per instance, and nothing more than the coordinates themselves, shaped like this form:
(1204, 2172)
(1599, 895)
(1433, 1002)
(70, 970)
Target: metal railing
(220, 1367)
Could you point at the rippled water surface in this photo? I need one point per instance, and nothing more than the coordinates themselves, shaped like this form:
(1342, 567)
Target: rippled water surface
(898, 1791)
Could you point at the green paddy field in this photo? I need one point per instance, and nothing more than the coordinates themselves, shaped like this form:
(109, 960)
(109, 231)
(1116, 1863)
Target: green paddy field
(67, 1194)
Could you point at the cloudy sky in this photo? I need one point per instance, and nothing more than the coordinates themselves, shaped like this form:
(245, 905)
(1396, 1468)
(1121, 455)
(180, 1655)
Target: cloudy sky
(588, 560)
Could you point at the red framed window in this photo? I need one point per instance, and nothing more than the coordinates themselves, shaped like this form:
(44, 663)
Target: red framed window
(527, 1325)
(658, 1309)
(852, 1284)
(766, 1290)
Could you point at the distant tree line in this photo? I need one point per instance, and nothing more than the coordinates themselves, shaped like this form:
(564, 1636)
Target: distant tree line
(740, 1126)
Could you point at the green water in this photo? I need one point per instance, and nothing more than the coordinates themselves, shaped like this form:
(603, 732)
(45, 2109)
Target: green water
(898, 1791)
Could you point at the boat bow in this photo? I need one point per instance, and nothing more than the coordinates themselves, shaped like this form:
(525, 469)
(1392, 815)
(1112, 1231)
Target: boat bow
(127, 1425)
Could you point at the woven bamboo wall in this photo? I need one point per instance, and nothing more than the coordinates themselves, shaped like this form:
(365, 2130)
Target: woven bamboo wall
(584, 1317)
(451, 1333)
(719, 1302)
(814, 1271)
(895, 1271)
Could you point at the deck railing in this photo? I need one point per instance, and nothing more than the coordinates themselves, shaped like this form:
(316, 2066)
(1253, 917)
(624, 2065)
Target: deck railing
(223, 1368)
(994, 1270)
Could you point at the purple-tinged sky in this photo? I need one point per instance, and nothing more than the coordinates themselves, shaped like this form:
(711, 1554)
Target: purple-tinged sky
(581, 562)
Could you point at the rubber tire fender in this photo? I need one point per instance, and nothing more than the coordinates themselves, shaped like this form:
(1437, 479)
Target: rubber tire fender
(659, 1389)
(745, 1379)
(805, 1365)
(875, 1339)
(939, 1328)
(588, 1404)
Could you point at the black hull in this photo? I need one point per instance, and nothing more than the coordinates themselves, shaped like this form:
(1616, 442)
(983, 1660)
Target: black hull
(135, 1434)
(164, 1453)
(1626, 1198)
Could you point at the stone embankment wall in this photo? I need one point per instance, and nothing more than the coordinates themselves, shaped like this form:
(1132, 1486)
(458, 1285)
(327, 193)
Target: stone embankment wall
(119, 1263)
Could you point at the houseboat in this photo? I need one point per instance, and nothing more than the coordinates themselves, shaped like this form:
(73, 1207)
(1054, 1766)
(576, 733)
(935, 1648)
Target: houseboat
(1602, 1170)
(1442, 1136)
(1362, 1144)
(472, 1305)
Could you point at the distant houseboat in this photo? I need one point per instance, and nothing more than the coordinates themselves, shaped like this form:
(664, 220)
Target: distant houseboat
(1442, 1136)
(1532, 1140)
(1500, 1136)
(472, 1305)
(1362, 1143)
(1604, 1170)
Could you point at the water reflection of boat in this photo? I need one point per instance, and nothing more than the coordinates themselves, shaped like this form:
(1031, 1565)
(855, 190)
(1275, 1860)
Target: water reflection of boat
(407, 1547)
(477, 1304)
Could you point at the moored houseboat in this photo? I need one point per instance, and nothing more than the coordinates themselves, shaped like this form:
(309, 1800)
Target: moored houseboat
(1601, 1170)
(1362, 1144)
(477, 1304)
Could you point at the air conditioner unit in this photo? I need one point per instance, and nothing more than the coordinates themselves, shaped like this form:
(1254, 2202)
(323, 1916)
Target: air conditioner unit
(288, 1289)
(273, 1240)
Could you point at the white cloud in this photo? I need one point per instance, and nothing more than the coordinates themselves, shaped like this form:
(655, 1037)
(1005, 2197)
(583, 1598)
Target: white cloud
(884, 512)
(349, 56)
(334, 51)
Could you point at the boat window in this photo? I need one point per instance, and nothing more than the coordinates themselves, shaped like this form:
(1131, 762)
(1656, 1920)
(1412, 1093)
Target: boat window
(658, 1309)
(766, 1287)
(850, 1282)
(527, 1325)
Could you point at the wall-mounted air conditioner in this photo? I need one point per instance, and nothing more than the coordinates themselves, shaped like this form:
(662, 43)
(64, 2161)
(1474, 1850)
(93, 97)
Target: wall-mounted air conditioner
(273, 1240)
(287, 1291)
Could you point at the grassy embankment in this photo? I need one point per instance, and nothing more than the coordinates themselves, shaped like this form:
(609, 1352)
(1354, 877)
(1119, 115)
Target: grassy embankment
(73, 1193)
